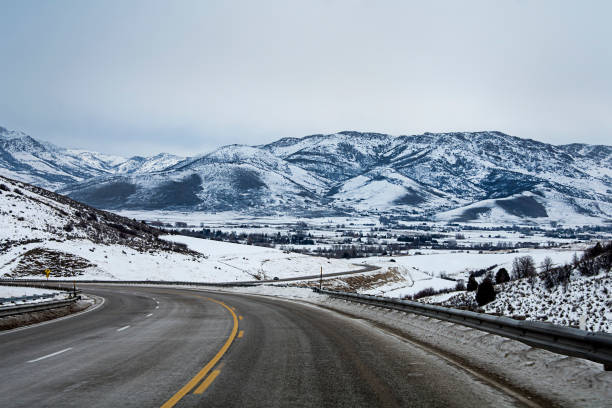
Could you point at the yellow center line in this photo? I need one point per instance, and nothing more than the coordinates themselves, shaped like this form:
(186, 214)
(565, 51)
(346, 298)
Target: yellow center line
(198, 377)
(206, 383)
(240, 317)
(240, 334)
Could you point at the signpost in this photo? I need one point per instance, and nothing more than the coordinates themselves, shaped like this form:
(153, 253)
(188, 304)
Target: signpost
(47, 272)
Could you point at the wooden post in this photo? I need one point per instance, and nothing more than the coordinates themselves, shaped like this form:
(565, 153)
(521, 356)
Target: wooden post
(321, 279)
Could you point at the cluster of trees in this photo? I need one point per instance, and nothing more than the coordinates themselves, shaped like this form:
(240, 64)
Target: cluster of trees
(420, 239)
(259, 239)
(485, 291)
(594, 260)
(358, 251)
(580, 232)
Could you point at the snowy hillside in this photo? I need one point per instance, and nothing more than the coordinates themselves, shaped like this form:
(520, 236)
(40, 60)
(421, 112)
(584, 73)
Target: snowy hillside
(559, 291)
(40, 229)
(138, 164)
(590, 297)
(585, 297)
(237, 177)
(546, 204)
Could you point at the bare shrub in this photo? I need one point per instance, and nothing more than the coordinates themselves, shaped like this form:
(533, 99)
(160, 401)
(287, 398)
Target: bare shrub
(588, 267)
(523, 267)
(424, 293)
(460, 285)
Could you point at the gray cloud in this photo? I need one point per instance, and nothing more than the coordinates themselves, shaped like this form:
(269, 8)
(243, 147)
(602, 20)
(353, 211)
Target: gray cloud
(185, 77)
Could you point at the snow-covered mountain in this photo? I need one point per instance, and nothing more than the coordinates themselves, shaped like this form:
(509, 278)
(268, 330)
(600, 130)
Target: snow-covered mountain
(463, 176)
(232, 177)
(46, 165)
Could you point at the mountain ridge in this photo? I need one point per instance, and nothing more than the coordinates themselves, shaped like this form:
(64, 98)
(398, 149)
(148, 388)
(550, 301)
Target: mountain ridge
(47, 165)
(349, 172)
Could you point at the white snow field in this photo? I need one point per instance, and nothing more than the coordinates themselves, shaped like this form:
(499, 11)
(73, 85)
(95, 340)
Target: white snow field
(223, 262)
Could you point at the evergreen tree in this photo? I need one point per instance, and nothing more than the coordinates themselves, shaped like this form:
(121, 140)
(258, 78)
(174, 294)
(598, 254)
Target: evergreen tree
(485, 292)
(502, 276)
(472, 285)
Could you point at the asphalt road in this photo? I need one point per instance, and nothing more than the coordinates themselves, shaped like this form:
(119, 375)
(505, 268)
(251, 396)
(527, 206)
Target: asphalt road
(152, 347)
(363, 268)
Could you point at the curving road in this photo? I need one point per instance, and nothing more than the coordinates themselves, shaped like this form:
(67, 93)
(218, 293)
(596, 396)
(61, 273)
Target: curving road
(154, 347)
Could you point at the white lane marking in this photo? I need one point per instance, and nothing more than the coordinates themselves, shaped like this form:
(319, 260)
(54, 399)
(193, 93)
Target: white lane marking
(157, 307)
(149, 315)
(50, 355)
(123, 328)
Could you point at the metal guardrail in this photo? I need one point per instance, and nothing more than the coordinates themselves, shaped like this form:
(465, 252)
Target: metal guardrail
(16, 299)
(558, 339)
(27, 282)
(36, 307)
(12, 310)
(64, 285)
(48, 284)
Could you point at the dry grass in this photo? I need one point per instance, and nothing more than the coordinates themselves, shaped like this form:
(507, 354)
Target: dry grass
(360, 282)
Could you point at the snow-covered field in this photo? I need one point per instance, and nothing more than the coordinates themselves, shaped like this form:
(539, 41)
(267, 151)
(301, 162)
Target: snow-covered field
(222, 262)
(425, 271)
(247, 262)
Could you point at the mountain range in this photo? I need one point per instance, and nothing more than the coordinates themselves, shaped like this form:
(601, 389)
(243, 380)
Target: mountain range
(459, 176)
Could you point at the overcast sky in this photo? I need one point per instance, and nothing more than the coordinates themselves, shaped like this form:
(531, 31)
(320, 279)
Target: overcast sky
(140, 77)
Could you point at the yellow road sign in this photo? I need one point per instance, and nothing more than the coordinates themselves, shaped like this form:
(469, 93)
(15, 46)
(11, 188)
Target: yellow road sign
(47, 272)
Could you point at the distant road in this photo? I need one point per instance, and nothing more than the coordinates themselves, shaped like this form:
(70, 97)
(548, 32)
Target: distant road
(154, 347)
(366, 268)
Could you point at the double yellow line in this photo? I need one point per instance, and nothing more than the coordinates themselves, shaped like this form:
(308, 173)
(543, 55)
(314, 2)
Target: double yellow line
(204, 371)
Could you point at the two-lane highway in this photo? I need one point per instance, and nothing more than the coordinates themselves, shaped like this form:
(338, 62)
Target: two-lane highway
(152, 347)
